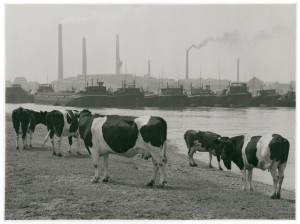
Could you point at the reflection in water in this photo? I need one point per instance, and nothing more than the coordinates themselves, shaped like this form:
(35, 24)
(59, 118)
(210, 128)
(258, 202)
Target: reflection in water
(224, 121)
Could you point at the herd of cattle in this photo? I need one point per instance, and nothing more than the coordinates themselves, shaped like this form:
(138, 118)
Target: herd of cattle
(147, 135)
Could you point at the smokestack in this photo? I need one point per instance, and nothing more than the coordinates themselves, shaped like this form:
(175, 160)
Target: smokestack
(149, 72)
(84, 65)
(238, 68)
(187, 65)
(118, 61)
(60, 54)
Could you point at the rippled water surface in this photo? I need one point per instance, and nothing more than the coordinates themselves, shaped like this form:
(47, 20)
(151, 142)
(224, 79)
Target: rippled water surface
(224, 121)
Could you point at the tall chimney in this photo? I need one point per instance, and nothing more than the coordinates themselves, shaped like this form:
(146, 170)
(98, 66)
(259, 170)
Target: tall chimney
(60, 54)
(187, 65)
(118, 61)
(84, 59)
(238, 68)
(149, 71)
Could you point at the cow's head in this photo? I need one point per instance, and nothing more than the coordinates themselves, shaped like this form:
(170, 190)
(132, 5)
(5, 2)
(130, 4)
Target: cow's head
(227, 149)
(84, 112)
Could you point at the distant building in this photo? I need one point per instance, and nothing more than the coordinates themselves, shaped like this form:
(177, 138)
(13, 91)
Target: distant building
(8, 83)
(22, 81)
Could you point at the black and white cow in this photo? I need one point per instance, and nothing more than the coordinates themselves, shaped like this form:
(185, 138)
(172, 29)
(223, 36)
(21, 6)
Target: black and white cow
(263, 152)
(124, 136)
(24, 121)
(62, 123)
(202, 142)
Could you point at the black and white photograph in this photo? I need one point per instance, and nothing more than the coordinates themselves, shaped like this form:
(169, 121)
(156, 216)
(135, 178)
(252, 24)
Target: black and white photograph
(149, 111)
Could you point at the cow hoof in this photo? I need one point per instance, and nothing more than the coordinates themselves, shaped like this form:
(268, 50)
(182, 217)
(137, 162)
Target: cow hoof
(78, 153)
(69, 151)
(210, 166)
(30, 146)
(17, 147)
(95, 180)
(278, 195)
(250, 189)
(54, 153)
(273, 196)
(193, 165)
(150, 184)
(162, 184)
(59, 154)
(105, 179)
(220, 168)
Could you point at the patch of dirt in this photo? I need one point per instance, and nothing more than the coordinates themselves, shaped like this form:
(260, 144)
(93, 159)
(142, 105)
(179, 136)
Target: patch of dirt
(40, 186)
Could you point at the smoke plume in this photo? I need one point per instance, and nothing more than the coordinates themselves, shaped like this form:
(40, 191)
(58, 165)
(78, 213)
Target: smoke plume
(234, 38)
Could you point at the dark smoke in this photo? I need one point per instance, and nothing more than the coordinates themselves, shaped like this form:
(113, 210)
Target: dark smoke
(234, 38)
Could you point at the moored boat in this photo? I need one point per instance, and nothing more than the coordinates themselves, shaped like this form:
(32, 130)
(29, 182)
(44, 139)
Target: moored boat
(128, 95)
(201, 97)
(265, 97)
(93, 96)
(46, 95)
(236, 96)
(16, 94)
(286, 100)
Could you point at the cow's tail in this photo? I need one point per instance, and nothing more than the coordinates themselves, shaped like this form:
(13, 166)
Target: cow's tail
(164, 149)
(185, 136)
(46, 138)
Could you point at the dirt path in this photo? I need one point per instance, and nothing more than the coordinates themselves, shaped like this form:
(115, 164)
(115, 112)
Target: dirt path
(41, 186)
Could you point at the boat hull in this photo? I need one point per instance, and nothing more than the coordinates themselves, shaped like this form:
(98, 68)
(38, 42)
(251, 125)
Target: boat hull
(164, 101)
(53, 99)
(201, 101)
(92, 101)
(233, 100)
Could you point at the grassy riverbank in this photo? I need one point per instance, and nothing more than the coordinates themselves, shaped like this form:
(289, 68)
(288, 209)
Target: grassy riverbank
(41, 186)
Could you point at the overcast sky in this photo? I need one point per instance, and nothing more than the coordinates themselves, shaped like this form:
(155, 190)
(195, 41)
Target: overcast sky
(261, 36)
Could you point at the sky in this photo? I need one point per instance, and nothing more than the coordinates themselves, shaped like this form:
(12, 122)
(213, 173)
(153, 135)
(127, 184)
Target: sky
(263, 37)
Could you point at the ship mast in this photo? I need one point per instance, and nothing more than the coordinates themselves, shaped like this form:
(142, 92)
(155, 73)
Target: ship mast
(219, 75)
(162, 74)
(200, 76)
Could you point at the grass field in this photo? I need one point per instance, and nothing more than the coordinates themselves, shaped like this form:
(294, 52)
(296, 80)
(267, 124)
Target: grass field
(41, 186)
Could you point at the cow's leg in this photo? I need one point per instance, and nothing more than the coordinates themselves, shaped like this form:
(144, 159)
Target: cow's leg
(191, 158)
(95, 158)
(106, 177)
(161, 165)
(210, 158)
(70, 143)
(46, 138)
(59, 145)
(24, 135)
(17, 139)
(281, 169)
(155, 169)
(274, 173)
(53, 148)
(243, 172)
(30, 137)
(219, 162)
(78, 144)
(16, 125)
(250, 172)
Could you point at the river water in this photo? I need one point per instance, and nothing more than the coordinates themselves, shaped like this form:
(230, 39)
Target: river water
(224, 121)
